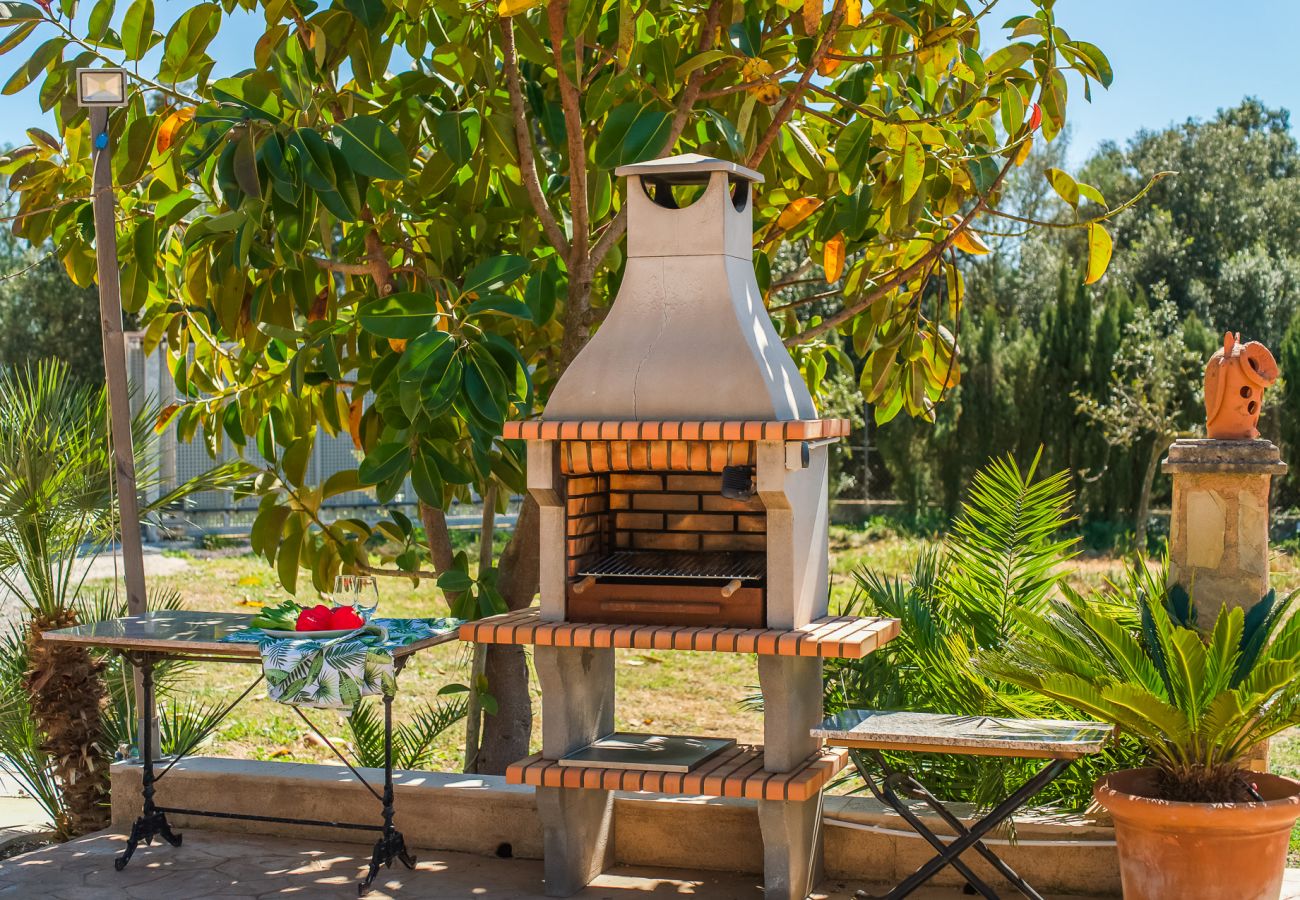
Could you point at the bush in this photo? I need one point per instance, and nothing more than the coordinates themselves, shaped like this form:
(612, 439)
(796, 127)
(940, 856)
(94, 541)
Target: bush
(1004, 558)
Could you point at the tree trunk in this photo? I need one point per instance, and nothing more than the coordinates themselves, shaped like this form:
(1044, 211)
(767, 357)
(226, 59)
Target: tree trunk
(506, 735)
(474, 710)
(66, 695)
(1159, 445)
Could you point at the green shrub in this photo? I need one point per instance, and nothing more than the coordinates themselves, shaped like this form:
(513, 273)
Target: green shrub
(1004, 558)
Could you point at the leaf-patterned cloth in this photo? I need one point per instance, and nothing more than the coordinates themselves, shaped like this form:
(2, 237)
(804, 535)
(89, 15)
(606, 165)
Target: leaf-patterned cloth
(337, 673)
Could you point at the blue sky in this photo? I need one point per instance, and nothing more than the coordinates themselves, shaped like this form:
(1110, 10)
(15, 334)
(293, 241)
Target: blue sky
(1173, 59)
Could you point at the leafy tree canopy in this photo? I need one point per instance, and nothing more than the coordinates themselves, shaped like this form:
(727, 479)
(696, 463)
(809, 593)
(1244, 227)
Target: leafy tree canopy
(401, 220)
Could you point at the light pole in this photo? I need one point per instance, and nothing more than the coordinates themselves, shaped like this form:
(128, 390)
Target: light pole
(99, 90)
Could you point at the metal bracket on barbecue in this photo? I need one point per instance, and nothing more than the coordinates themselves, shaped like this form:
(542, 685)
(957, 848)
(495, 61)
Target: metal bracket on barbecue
(799, 453)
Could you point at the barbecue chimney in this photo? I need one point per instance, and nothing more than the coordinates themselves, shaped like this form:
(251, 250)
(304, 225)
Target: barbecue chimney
(688, 337)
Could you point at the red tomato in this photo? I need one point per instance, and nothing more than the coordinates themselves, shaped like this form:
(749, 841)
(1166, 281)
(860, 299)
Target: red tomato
(345, 617)
(317, 618)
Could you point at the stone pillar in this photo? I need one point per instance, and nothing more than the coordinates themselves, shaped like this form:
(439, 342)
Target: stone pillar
(792, 839)
(1218, 530)
(577, 708)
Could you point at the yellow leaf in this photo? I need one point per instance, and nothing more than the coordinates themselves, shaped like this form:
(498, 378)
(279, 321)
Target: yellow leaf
(165, 416)
(1022, 153)
(833, 258)
(853, 15)
(827, 66)
(171, 125)
(515, 7)
(796, 212)
(1099, 248)
(812, 15)
(354, 420)
(969, 242)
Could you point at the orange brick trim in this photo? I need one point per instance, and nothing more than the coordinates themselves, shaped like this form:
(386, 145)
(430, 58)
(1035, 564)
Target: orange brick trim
(736, 773)
(841, 637)
(798, 430)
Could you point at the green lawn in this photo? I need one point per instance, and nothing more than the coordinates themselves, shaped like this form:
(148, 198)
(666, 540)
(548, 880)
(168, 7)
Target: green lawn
(691, 693)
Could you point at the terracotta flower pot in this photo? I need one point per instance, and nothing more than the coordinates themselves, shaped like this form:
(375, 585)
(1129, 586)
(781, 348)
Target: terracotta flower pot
(1210, 851)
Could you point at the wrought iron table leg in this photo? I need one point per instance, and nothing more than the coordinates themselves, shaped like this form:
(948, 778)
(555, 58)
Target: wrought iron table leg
(960, 828)
(152, 822)
(886, 795)
(996, 816)
(391, 845)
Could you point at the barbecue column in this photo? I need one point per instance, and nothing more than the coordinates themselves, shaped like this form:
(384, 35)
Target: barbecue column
(681, 472)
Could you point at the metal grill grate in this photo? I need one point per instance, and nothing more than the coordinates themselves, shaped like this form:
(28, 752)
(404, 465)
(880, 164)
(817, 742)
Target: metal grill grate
(668, 564)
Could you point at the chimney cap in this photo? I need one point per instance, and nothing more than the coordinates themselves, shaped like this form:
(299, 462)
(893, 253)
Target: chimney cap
(688, 168)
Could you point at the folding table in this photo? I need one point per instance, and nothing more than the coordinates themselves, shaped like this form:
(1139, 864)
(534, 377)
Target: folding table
(868, 733)
(197, 637)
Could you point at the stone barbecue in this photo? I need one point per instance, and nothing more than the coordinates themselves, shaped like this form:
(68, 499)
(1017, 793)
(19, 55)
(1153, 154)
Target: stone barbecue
(679, 460)
(681, 473)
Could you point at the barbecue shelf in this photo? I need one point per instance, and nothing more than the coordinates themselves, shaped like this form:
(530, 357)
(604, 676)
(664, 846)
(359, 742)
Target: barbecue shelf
(735, 773)
(841, 637)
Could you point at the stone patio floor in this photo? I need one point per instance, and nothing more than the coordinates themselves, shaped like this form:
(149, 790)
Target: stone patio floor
(221, 866)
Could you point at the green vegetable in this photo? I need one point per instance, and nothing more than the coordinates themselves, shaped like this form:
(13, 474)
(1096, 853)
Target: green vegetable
(279, 618)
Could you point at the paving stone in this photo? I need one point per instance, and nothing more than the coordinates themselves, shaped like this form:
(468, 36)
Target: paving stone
(217, 866)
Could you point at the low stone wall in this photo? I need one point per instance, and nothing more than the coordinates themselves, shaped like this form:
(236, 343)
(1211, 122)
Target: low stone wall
(483, 814)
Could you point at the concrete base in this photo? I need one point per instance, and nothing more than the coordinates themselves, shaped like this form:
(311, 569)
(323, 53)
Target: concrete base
(485, 816)
(576, 830)
(792, 847)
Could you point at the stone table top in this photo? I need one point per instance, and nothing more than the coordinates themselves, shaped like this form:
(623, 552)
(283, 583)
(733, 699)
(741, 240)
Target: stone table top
(186, 632)
(981, 735)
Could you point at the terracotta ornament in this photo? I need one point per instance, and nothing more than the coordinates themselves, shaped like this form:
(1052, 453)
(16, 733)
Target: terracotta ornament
(1235, 379)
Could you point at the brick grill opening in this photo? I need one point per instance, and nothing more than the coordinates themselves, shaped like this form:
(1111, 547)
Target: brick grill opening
(700, 558)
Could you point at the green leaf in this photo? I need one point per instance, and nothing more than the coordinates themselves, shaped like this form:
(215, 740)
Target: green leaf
(185, 48)
(703, 58)
(494, 274)
(458, 134)
(485, 385)
(137, 29)
(371, 148)
(632, 134)
(384, 462)
(296, 457)
(100, 17)
(313, 158)
(426, 480)
(1100, 64)
(735, 143)
(403, 316)
(500, 303)
(369, 13)
(455, 580)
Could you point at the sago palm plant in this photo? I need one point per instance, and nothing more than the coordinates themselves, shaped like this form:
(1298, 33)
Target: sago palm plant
(1005, 555)
(57, 501)
(1197, 700)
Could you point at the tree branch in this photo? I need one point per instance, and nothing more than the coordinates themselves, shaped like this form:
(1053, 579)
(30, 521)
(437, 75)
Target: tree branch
(571, 104)
(343, 268)
(524, 140)
(796, 96)
(690, 95)
(830, 323)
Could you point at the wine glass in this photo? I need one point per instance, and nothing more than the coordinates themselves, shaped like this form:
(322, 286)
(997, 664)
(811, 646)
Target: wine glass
(361, 592)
